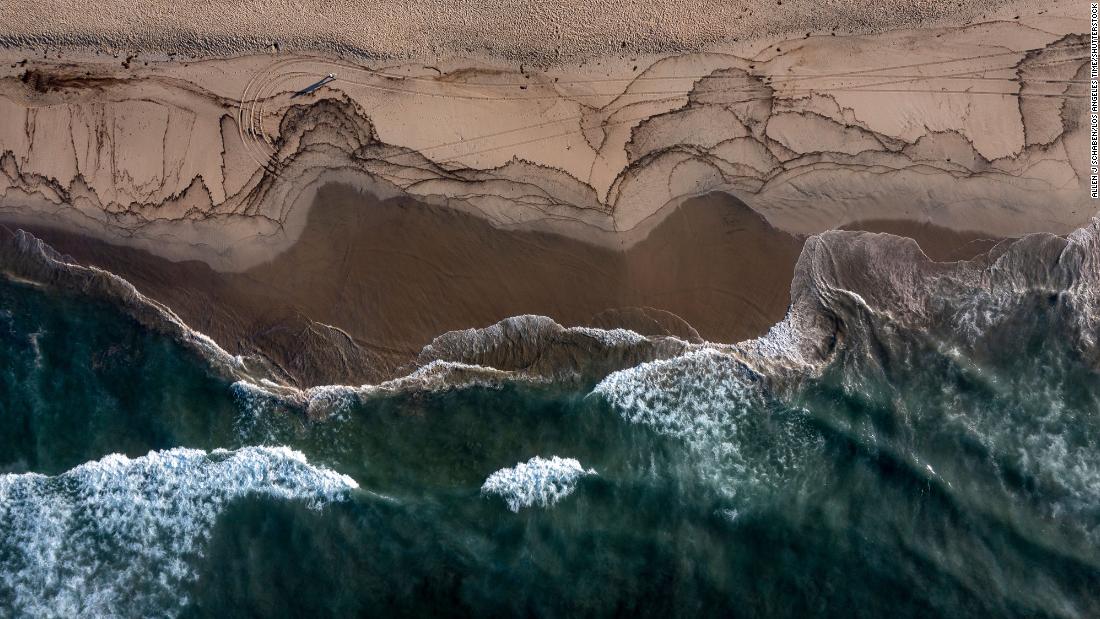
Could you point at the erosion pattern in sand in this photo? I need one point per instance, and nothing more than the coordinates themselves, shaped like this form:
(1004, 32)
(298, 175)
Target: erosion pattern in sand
(474, 190)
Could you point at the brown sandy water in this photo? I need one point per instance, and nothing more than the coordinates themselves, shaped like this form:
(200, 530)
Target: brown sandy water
(370, 282)
(938, 243)
(951, 432)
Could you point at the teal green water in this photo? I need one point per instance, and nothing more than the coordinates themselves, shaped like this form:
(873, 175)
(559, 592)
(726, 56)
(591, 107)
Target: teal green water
(915, 478)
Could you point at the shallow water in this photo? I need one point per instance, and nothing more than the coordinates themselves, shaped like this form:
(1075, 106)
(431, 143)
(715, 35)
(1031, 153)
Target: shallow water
(918, 476)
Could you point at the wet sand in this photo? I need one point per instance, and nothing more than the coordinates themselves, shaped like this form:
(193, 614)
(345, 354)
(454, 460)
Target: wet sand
(938, 243)
(370, 282)
(394, 274)
(338, 233)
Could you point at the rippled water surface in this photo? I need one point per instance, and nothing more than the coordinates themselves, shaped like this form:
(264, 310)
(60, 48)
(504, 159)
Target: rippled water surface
(919, 475)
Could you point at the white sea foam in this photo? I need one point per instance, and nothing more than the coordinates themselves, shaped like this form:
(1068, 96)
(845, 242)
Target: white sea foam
(715, 405)
(256, 399)
(705, 383)
(611, 337)
(782, 344)
(537, 482)
(730, 515)
(118, 536)
(475, 341)
(1032, 425)
(36, 346)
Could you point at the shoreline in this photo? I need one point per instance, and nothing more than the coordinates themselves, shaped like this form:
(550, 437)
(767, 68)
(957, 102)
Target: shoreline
(712, 270)
(370, 282)
(338, 233)
(536, 350)
(549, 307)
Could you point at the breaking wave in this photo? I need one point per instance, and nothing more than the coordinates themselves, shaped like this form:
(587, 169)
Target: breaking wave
(720, 409)
(536, 483)
(933, 425)
(118, 536)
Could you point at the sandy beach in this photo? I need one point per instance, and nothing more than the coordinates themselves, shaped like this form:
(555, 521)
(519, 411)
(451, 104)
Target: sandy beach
(662, 183)
(549, 308)
(541, 31)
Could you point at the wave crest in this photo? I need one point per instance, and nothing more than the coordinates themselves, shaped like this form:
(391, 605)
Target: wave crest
(117, 536)
(537, 482)
(721, 410)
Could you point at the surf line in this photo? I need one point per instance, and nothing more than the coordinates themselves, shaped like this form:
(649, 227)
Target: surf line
(1094, 110)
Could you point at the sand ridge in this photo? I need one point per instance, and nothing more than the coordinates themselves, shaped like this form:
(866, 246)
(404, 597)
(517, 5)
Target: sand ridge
(974, 127)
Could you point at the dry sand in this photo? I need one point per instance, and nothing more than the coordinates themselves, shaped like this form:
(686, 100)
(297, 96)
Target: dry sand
(338, 232)
(535, 30)
(972, 127)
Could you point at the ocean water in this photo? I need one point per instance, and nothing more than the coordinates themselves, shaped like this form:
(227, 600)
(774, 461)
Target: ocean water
(919, 475)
